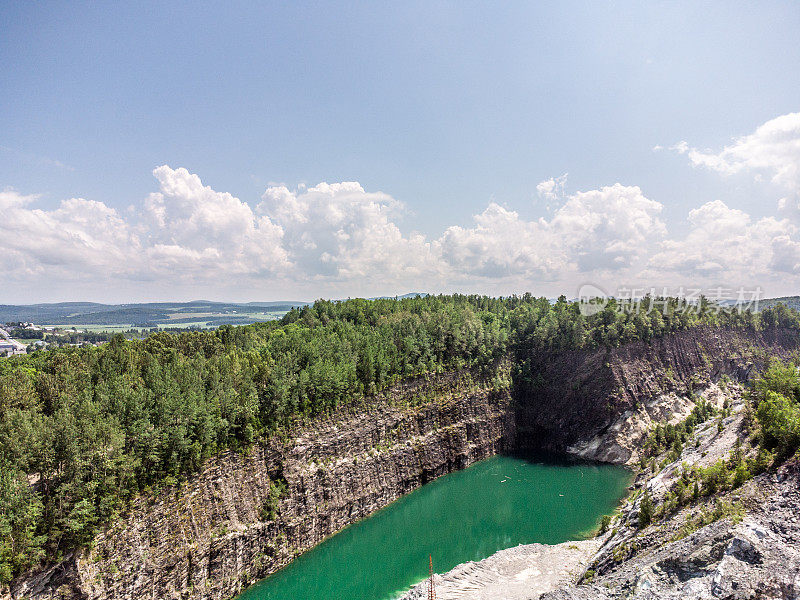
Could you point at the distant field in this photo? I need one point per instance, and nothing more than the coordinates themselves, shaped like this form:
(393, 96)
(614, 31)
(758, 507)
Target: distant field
(92, 328)
(184, 320)
(114, 318)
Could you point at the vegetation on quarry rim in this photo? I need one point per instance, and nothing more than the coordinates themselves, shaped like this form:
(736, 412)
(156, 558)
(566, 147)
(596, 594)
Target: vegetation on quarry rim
(83, 431)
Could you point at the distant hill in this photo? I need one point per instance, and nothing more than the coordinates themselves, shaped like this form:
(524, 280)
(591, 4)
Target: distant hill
(409, 295)
(203, 313)
(789, 301)
(209, 314)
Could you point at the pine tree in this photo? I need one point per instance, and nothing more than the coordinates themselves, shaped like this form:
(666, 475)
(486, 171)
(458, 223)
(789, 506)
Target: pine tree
(645, 510)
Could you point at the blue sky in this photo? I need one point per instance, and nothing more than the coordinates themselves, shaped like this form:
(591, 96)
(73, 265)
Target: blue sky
(443, 110)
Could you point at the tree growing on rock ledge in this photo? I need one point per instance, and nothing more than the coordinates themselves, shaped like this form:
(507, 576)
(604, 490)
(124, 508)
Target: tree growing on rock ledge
(645, 510)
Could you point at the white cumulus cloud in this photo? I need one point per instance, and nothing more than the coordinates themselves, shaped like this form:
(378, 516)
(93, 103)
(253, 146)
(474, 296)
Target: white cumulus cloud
(725, 243)
(609, 228)
(338, 230)
(338, 239)
(77, 239)
(605, 229)
(772, 150)
(552, 189)
(500, 245)
(193, 230)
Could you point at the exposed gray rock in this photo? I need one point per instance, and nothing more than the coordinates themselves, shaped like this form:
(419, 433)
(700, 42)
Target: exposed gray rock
(522, 572)
(581, 395)
(205, 539)
(753, 554)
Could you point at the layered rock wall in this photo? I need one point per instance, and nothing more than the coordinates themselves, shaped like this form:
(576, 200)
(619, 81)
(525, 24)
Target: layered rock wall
(212, 536)
(738, 543)
(600, 403)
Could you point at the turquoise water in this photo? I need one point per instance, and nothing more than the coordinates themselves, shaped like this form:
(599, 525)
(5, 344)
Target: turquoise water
(468, 515)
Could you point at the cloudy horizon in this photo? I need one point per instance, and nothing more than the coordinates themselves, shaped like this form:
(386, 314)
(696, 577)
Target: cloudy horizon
(477, 204)
(338, 239)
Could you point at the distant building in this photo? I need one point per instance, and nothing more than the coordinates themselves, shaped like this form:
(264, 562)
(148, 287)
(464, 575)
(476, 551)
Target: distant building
(10, 347)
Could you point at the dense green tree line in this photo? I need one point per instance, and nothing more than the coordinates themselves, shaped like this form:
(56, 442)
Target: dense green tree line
(775, 400)
(83, 430)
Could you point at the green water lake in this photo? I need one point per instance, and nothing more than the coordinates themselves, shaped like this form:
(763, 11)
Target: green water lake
(468, 515)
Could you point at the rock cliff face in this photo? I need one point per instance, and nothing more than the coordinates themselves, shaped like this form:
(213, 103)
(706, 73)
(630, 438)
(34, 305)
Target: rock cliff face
(599, 404)
(212, 536)
(741, 543)
(738, 544)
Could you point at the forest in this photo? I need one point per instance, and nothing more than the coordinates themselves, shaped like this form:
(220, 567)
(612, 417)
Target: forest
(84, 430)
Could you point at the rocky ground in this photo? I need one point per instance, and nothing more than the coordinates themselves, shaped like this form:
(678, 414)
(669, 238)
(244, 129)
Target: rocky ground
(522, 572)
(752, 555)
(744, 543)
